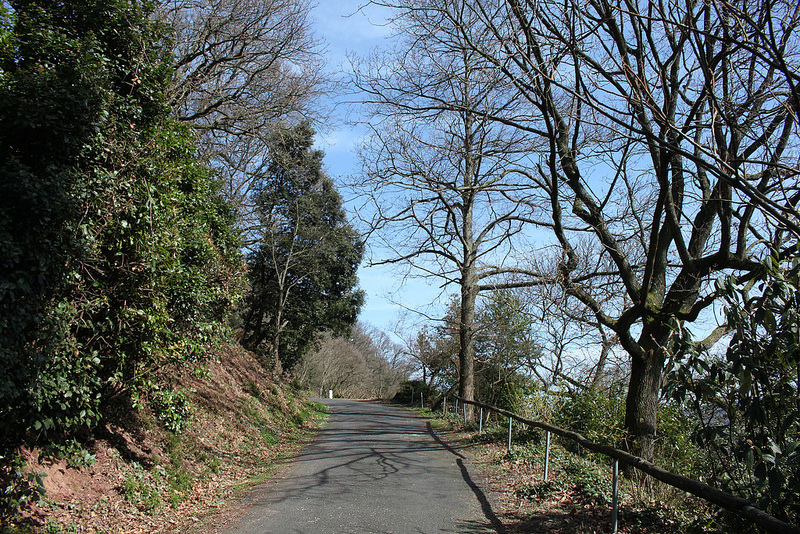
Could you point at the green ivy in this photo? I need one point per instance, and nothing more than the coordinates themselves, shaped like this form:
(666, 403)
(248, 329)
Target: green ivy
(172, 408)
(118, 258)
(19, 486)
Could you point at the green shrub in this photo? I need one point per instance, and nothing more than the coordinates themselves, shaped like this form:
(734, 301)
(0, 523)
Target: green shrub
(743, 404)
(18, 487)
(590, 477)
(172, 408)
(117, 256)
(72, 451)
(598, 414)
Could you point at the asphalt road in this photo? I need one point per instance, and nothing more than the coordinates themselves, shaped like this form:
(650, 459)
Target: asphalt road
(371, 469)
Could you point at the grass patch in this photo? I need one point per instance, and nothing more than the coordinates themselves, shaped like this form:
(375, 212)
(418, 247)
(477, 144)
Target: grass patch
(313, 411)
(141, 489)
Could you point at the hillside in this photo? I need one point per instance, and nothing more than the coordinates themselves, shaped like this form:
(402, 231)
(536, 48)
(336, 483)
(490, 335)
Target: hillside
(141, 478)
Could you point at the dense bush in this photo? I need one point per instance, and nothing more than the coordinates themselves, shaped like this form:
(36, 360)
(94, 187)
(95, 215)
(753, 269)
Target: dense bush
(597, 413)
(116, 255)
(745, 404)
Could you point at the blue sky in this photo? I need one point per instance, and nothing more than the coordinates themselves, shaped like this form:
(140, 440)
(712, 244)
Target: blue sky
(347, 29)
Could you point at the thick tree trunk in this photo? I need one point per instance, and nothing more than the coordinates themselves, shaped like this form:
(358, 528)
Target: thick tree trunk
(469, 276)
(644, 389)
(466, 355)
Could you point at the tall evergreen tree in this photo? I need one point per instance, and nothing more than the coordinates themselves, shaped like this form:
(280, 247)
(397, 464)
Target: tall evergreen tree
(505, 350)
(303, 273)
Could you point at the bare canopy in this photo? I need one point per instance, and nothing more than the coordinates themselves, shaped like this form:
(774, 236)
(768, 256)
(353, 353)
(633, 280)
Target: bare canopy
(439, 185)
(669, 139)
(243, 68)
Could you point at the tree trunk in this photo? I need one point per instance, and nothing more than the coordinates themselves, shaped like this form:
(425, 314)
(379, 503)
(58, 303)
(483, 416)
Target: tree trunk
(641, 405)
(469, 276)
(601, 362)
(466, 353)
(277, 367)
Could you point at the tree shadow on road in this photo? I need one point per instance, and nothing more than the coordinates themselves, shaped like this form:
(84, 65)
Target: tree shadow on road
(486, 506)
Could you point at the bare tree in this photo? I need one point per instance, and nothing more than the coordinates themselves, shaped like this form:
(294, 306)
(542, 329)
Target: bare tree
(336, 364)
(669, 138)
(242, 67)
(566, 329)
(385, 360)
(367, 364)
(671, 134)
(441, 194)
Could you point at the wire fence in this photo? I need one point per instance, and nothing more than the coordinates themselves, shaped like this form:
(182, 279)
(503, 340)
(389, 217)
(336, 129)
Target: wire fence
(720, 498)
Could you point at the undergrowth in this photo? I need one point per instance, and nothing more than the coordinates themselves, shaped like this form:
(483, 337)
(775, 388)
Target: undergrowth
(260, 430)
(578, 479)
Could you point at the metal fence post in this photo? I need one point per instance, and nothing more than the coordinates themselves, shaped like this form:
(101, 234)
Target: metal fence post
(480, 423)
(702, 490)
(421, 401)
(615, 496)
(464, 409)
(509, 435)
(547, 456)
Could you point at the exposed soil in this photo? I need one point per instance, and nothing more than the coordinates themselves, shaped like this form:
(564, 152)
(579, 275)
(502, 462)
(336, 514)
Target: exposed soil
(145, 479)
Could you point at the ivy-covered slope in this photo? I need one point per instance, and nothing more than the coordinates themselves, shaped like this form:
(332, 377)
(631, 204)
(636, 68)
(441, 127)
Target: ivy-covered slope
(137, 476)
(117, 256)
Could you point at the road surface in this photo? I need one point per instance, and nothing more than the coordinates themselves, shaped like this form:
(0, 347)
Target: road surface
(371, 469)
